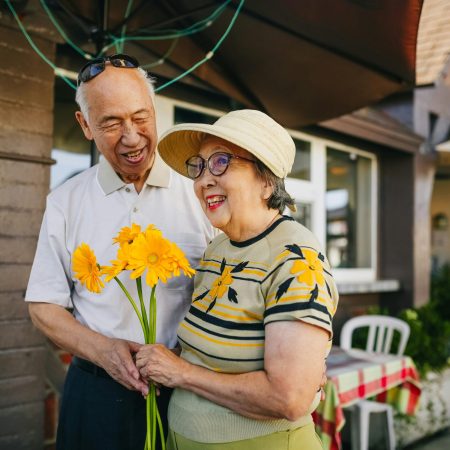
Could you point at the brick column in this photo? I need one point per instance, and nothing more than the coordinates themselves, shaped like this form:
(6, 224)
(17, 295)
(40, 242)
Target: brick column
(26, 127)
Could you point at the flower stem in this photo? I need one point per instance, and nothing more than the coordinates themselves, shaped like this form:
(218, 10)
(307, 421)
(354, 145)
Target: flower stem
(143, 310)
(153, 406)
(161, 431)
(148, 442)
(133, 304)
(152, 316)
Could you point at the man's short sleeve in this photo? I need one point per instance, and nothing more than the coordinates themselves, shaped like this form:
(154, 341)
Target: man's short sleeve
(50, 280)
(301, 288)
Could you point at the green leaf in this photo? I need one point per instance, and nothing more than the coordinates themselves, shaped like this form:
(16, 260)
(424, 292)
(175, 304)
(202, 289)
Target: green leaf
(211, 305)
(223, 265)
(239, 267)
(294, 248)
(201, 296)
(283, 288)
(232, 295)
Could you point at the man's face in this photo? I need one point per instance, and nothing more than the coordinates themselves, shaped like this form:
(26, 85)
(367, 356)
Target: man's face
(121, 122)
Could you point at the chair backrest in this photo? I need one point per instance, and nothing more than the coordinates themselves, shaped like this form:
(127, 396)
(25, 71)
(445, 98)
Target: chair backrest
(381, 332)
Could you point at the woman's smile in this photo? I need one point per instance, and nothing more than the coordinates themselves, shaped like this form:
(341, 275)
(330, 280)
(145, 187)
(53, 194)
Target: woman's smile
(214, 201)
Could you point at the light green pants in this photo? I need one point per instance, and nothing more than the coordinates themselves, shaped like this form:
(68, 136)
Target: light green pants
(303, 438)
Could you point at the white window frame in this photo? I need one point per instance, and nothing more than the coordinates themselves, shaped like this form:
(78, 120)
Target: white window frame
(356, 275)
(312, 192)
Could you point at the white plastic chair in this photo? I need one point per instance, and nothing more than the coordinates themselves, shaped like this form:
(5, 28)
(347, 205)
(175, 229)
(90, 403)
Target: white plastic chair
(379, 340)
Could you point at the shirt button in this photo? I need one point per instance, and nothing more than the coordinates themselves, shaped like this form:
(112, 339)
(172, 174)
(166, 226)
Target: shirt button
(135, 209)
(127, 189)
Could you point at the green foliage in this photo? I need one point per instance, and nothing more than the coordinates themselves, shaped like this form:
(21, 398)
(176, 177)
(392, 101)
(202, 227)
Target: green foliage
(428, 344)
(440, 291)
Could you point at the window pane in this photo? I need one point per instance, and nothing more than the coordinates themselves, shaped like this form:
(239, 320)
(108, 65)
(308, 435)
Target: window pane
(71, 149)
(349, 209)
(302, 163)
(68, 164)
(303, 214)
(184, 115)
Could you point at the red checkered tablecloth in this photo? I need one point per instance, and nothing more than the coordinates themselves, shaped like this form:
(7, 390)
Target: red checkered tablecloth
(354, 375)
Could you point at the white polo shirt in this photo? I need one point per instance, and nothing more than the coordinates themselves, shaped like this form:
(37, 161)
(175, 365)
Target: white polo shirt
(92, 207)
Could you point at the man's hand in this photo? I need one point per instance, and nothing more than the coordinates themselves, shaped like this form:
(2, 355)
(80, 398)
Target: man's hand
(114, 355)
(118, 361)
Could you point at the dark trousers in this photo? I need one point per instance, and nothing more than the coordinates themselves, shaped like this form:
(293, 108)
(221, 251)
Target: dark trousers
(97, 413)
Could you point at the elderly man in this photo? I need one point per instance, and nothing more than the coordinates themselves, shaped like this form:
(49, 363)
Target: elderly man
(103, 405)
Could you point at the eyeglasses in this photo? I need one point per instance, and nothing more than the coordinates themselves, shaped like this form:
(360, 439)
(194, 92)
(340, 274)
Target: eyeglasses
(97, 66)
(217, 164)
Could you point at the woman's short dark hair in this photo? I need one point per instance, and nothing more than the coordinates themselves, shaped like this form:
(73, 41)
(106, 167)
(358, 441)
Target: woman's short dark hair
(279, 199)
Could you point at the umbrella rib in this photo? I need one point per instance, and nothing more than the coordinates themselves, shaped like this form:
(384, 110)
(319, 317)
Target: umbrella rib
(174, 19)
(168, 61)
(178, 67)
(167, 5)
(130, 16)
(81, 20)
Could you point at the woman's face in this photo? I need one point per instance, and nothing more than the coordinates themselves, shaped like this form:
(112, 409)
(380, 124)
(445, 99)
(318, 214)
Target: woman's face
(236, 201)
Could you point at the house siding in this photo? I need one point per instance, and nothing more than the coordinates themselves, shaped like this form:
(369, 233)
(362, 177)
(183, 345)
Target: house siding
(26, 128)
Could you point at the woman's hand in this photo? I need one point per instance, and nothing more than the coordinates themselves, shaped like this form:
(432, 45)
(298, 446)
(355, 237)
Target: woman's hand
(161, 365)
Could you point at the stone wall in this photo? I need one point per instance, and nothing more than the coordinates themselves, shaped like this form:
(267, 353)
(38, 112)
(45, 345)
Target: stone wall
(26, 127)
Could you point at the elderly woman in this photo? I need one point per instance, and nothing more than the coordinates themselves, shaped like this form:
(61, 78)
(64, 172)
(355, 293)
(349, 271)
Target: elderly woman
(259, 328)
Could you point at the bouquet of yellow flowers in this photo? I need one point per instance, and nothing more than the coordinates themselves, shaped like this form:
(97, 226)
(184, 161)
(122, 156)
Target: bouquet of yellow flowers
(138, 251)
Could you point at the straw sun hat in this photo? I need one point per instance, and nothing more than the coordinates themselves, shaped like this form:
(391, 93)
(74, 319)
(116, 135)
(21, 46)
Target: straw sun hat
(252, 130)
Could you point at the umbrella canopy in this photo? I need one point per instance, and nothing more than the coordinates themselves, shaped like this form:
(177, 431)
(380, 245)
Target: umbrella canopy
(300, 61)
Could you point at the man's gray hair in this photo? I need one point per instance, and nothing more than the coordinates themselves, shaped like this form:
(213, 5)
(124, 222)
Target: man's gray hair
(279, 199)
(80, 96)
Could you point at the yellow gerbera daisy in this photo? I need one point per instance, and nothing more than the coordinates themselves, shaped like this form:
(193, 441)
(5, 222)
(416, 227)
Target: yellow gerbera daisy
(149, 252)
(86, 269)
(119, 264)
(127, 234)
(151, 229)
(310, 268)
(221, 284)
(179, 261)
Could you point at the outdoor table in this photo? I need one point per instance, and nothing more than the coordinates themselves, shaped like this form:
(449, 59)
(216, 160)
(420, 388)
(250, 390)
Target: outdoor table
(354, 375)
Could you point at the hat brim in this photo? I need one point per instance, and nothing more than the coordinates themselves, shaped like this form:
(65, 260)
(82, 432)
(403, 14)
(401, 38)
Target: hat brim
(183, 141)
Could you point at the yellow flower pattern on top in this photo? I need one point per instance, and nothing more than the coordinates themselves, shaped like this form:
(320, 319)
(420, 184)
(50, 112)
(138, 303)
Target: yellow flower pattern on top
(310, 269)
(221, 284)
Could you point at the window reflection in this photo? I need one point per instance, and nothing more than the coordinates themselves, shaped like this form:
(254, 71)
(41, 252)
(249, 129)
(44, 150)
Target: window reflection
(348, 206)
(303, 214)
(302, 163)
(71, 150)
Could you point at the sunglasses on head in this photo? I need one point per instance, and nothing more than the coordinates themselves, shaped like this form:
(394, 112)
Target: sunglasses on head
(97, 66)
(217, 164)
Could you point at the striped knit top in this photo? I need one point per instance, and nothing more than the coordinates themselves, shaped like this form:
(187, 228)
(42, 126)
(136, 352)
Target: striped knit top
(239, 288)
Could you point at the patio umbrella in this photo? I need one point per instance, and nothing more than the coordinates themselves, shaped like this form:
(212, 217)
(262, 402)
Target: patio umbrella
(301, 61)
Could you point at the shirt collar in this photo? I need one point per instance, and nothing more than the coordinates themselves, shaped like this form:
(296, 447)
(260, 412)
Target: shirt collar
(109, 181)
